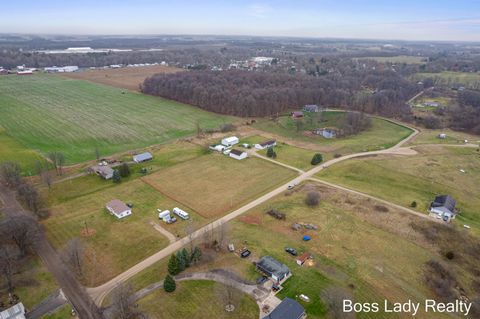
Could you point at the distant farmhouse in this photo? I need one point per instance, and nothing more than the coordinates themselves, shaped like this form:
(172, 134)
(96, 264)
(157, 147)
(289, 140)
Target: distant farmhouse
(287, 309)
(296, 114)
(266, 144)
(104, 171)
(230, 141)
(312, 108)
(237, 154)
(326, 132)
(273, 268)
(61, 69)
(431, 104)
(443, 206)
(118, 208)
(144, 157)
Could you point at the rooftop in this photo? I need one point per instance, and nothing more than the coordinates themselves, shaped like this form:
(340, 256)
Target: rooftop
(117, 206)
(287, 309)
(270, 264)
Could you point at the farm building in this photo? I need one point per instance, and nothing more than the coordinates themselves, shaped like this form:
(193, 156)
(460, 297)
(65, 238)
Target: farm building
(431, 104)
(303, 258)
(15, 312)
(142, 157)
(326, 132)
(61, 69)
(118, 208)
(230, 141)
(296, 114)
(266, 144)
(237, 154)
(313, 108)
(273, 268)
(218, 148)
(25, 72)
(443, 206)
(442, 136)
(287, 309)
(104, 171)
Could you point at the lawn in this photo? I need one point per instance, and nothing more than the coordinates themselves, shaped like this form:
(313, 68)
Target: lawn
(448, 78)
(62, 313)
(112, 245)
(293, 156)
(52, 113)
(12, 150)
(383, 134)
(402, 180)
(33, 283)
(214, 184)
(195, 300)
(427, 136)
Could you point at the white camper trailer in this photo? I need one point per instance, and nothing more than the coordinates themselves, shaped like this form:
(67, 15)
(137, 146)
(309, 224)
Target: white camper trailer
(180, 213)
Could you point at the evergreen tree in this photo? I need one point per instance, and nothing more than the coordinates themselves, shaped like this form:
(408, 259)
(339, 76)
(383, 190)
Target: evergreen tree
(116, 176)
(274, 155)
(124, 170)
(169, 284)
(317, 159)
(186, 257)
(197, 253)
(173, 266)
(181, 262)
(270, 152)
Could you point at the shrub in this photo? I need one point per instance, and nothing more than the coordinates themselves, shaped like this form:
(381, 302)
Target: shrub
(450, 255)
(413, 204)
(228, 127)
(169, 284)
(124, 170)
(117, 178)
(312, 199)
(381, 208)
(337, 155)
(173, 265)
(270, 152)
(317, 159)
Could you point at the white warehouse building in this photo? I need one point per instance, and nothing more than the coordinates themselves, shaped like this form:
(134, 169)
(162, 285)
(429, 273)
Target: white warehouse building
(230, 141)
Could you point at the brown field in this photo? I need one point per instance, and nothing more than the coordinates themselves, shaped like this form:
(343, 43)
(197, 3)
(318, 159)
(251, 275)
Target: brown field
(125, 78)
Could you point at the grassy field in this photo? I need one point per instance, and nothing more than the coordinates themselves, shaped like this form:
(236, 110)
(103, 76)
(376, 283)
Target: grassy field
(383, 134)
(195, 300)
(402, 180)
(112, 245)
(12, 150)
(293, 156)
(74, 116)
(214, 184)
(62, 313)
(447, 78)
(427, 136)
(33, 283)
(369, 254)
(397, 59)
(127, 78)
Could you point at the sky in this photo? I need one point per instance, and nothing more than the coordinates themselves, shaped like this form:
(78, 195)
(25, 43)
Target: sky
(439, 20)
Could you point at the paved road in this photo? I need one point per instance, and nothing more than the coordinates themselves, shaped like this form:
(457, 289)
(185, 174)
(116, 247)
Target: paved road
(50, 304)
(99, 293)
(74, 292)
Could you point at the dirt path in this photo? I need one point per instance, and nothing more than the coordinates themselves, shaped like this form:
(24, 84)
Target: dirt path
(72, 289)
(171, 238)
(253, 152)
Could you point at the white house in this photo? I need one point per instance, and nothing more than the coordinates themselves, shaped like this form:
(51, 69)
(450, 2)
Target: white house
(118, 208)
(237, 154)
(266, 144)
(15, 312)
(230, 141)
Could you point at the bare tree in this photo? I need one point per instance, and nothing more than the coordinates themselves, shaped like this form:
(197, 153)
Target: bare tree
(97, 153)
(10, 174)
(190, 230)
(9, 262)
(58, 160)
(22, 231)
(74, 255)
(30, 196)
(123, 303)
(227, 292)
(223, 232)
(333, 298)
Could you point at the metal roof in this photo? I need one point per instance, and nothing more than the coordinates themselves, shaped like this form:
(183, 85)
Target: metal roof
(287, 309)
(142, 157)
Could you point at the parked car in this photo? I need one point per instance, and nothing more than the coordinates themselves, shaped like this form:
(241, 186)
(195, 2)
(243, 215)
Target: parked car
(291, 251)
(245, 253)
(261, 280)
(130, 205)
(291, 186)
(275, 288)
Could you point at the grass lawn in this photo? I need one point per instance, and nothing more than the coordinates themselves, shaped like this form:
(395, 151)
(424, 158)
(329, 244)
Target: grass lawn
(12, 150)
(383, 134)
(293, 156)
(195, 300)
(435, 170)
(53, 113)
(470, 80)
(427, 136)
(62, 313)
(214, 184)
(113, 245)
(33, 283)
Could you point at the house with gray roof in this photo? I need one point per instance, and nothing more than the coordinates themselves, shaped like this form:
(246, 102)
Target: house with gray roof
(287, 309)
(142, 157)
(273, 268)
(444, 206)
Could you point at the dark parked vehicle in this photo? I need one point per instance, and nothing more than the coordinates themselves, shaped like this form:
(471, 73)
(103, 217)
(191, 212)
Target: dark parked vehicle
(291, 251)
(275, 288)
(130, 205)
(245, 253)
(261, 280)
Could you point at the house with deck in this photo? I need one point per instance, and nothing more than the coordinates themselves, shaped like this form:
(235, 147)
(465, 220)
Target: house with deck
(444, 207)
(273, 268)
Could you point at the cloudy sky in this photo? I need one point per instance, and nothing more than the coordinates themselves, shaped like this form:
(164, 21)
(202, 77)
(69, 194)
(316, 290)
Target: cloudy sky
(374, 19)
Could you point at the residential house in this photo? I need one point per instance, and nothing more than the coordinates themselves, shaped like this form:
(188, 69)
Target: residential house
(303, 258)
(118, 208)
(15, 312)
(431, 104)
(443, 206)
(266, 144)
(326, 132)
(230, 141)
(273, 268)
(143, 157)
(287, 309)
(104, 171)
(442, 136)
(237, 154)
(296, 114)
(311, 108)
